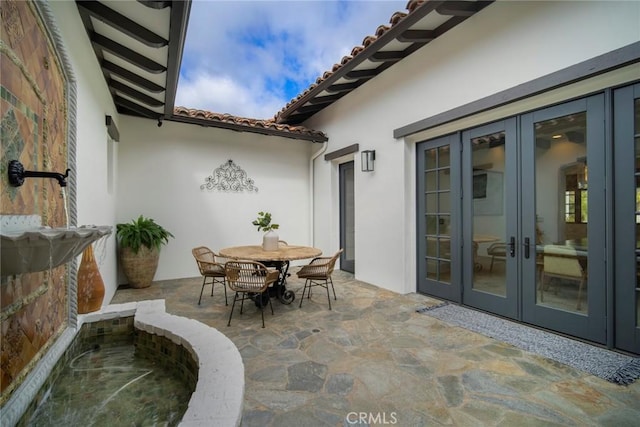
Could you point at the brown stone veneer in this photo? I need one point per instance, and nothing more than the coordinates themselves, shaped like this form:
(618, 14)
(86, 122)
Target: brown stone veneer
(33, 118)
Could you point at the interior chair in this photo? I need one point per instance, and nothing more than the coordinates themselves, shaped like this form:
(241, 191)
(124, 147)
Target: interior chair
(318, 273)
(562, 262)
(250, 280)
(497, 250)
(209, 269)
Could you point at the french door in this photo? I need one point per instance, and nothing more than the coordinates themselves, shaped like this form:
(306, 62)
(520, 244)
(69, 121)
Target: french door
(490, 217)
(511, 218)
(438, 189)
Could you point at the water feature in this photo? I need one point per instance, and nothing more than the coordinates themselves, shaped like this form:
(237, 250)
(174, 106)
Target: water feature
(36, 248)
(106, 386)
(209, 361)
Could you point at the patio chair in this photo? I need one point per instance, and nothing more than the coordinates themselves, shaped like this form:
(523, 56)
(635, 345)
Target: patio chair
(318, 273)
(497, 250)
(250, 280)
(562, 262)
(209, 269)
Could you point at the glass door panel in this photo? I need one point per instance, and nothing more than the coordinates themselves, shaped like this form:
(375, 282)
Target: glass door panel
(562, 202)
(489, 224)
(563, 218)
(490, 219)
(437, 187)
(438, 214)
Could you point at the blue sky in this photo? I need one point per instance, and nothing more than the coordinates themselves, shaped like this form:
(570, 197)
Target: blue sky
(250, 58)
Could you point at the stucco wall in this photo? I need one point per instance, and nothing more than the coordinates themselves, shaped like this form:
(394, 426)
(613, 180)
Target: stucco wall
(96, 196)
(161, 169)
(506, 44)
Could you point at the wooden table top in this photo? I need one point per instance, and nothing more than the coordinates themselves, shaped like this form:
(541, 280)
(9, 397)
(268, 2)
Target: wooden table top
(284, 253)
(483, 238)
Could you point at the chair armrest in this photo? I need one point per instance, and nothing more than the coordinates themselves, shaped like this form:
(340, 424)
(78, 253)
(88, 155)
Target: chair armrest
(209, 264)
(318, 266)
(272, 276)
(318, 260)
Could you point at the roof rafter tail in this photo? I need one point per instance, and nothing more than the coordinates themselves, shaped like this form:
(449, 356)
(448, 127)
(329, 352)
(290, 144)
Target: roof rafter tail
(131, 92)
(458, 8)
(122, 23)
(112, 68)
(156, 4)
(144, 112)
(127, 54)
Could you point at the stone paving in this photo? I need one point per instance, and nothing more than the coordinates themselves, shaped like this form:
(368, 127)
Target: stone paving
(373, 360)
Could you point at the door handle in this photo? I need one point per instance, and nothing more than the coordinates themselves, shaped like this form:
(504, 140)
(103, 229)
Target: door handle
(527, 248)
(512, 246)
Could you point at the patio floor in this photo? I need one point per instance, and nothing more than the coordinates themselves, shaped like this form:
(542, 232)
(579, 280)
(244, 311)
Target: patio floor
(374, 360)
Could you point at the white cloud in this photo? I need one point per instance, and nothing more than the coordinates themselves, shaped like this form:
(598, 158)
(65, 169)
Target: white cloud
(249, 58)
(205, 90)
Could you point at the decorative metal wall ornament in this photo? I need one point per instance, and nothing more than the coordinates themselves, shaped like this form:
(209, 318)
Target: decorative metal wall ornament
(229, 177)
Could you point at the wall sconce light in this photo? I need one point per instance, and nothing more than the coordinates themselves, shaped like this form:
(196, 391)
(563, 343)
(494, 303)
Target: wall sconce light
(367, 159)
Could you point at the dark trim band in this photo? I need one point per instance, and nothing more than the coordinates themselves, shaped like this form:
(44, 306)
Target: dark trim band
(112, 129)
(342, 152)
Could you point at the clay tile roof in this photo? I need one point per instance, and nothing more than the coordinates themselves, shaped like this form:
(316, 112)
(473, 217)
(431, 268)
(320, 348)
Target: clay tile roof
(396, 17)
(298, 109)
(208, 118)
(367, 41)
(413, 4)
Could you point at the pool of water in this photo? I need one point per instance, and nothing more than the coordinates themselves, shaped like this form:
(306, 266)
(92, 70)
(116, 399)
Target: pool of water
(154, 379)
(111, 385)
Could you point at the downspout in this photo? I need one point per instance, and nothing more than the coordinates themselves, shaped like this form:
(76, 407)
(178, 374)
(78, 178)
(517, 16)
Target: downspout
(311, 190)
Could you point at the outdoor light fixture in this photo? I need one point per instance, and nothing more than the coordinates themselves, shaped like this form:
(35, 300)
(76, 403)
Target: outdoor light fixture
(367, 159)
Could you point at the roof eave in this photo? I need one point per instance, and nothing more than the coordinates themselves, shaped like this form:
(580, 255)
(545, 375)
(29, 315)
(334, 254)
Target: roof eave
(180, 11)
(313, 137)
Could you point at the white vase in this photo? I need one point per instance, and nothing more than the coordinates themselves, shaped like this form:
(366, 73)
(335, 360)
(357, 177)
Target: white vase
(270, 241)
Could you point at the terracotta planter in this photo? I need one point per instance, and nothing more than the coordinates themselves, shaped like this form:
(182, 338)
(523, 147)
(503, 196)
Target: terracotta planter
(139, 268)
(90, 283)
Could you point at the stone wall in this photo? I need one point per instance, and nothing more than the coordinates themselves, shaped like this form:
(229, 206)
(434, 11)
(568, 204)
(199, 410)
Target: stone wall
(34, 307)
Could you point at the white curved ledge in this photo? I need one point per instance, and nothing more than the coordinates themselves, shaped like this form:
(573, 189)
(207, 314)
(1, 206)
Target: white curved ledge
(219, 395)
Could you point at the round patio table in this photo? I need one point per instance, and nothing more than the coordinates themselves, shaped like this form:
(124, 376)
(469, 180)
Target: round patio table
(279, 259)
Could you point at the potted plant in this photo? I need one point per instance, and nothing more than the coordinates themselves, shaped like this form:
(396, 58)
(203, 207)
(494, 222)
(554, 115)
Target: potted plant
(139, 242)
(270, 239)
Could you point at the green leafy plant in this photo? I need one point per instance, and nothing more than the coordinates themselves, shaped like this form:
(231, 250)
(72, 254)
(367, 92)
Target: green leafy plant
(264, 222)
(142, 232)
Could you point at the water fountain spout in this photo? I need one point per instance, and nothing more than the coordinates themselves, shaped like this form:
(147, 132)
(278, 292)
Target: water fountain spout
(17, 174)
